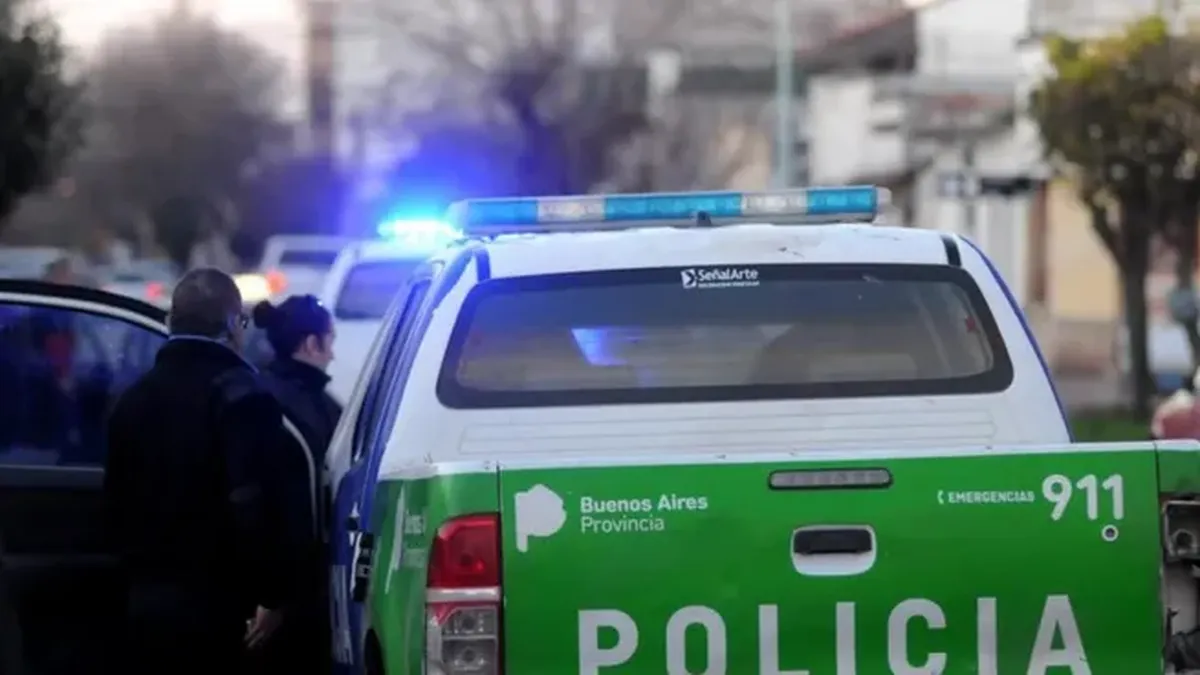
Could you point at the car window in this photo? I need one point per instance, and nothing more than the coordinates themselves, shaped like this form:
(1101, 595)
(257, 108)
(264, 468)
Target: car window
(370, 287)
(316, 259)
(379, 389)
(61, 370)
(676, 335)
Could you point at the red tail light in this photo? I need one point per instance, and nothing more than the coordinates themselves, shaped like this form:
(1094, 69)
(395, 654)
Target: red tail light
(466, 553)
(462, 601)
(155, 291)
(276, 281)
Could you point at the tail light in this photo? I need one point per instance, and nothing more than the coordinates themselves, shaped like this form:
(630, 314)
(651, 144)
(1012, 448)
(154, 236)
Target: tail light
(155, 291)
(277, 282)
(462, 598)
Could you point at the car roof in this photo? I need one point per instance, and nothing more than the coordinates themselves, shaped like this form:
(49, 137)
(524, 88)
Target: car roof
(370, 251)
(748, 244)
(308, 240)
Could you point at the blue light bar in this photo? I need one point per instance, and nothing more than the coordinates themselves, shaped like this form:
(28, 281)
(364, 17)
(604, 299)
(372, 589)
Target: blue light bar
(589, 212)
(419, 234)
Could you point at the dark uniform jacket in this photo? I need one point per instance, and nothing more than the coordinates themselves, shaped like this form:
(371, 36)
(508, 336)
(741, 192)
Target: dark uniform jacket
(196, 452)
(300, 389)
(302, 645)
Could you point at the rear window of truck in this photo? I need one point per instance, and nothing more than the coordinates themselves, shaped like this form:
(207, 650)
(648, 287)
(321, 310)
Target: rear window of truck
(719, 333)
(370, 287)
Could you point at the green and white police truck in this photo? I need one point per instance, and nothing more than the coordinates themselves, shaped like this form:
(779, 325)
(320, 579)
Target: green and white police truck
(738, 433)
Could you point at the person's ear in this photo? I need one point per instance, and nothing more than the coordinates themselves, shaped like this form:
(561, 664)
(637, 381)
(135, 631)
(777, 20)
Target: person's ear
(312, 344)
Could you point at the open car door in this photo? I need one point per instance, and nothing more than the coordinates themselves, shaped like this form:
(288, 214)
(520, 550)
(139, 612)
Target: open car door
(66, 354)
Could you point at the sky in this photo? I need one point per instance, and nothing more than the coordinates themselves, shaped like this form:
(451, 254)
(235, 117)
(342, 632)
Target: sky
(276, 24)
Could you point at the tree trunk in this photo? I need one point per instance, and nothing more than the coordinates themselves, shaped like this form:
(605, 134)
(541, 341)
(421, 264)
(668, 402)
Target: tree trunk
(1134, 291)
(1185, 271)
(1133, 272)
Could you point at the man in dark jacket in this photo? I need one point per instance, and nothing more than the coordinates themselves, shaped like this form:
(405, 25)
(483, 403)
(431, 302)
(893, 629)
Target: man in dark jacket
(197, 513)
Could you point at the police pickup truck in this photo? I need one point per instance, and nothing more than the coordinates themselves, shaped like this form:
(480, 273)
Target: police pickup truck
(692, 433)
(738, 433)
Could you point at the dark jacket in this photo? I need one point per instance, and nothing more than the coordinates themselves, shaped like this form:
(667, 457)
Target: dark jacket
(300, 389)
(302, 644)
(196, 448)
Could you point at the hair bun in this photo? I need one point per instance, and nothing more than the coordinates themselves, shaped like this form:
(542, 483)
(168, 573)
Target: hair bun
(265, 314)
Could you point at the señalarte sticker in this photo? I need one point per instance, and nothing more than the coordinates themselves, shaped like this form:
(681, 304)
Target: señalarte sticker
(719, 277)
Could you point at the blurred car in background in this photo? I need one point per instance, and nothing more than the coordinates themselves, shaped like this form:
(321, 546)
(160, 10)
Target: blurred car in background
(29, 262)
(147, 280)
(254, 289)
(364, 281)
(298, 264)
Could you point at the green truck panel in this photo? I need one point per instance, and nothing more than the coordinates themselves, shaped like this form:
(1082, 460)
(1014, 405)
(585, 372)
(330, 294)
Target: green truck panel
(1026, 561)
(413, 510)
(982, 564)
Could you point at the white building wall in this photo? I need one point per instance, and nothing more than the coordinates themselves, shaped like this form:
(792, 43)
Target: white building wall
(970, 37)
(843, 146)
(363, 65)
(1001, 225)
(979, 38)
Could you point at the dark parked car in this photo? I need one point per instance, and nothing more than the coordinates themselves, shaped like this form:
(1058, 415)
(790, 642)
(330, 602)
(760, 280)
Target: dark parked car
(66, 353)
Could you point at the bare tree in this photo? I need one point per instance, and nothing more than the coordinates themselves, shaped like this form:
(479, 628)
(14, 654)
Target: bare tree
(569, 81)
(181, 110)
(695, 143)
(39, 123)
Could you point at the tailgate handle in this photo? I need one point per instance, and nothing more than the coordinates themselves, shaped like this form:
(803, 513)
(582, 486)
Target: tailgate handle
(832, 541)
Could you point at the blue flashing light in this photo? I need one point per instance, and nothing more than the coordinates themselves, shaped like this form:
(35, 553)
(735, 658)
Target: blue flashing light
(418, 234)
(850, 204)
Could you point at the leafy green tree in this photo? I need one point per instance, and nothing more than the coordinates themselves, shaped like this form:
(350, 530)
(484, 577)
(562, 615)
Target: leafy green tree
(39, 122)
(1121, 115)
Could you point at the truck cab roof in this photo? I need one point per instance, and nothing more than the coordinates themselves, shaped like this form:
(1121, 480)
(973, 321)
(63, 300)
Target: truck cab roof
(828, 336)
(559, 253)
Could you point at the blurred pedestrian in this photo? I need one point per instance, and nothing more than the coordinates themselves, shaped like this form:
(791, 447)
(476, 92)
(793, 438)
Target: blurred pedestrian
(1178, 416)
(196, 513)
(301, 334)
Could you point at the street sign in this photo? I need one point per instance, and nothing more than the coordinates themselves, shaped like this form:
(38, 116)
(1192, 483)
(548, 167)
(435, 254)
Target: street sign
(1006, 186)
(958, 185)
(966, 185)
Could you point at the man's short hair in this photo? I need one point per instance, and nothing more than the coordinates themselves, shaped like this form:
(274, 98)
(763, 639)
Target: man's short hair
(203, 303)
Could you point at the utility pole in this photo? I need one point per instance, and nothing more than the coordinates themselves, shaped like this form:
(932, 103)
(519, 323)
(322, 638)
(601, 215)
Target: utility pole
(971, 179)
(785, 128)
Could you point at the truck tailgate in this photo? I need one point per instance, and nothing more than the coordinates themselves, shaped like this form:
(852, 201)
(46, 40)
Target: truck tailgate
(1021, 561)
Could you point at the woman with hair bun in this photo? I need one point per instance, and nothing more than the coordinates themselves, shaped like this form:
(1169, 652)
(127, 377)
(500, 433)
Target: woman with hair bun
(300, 332)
